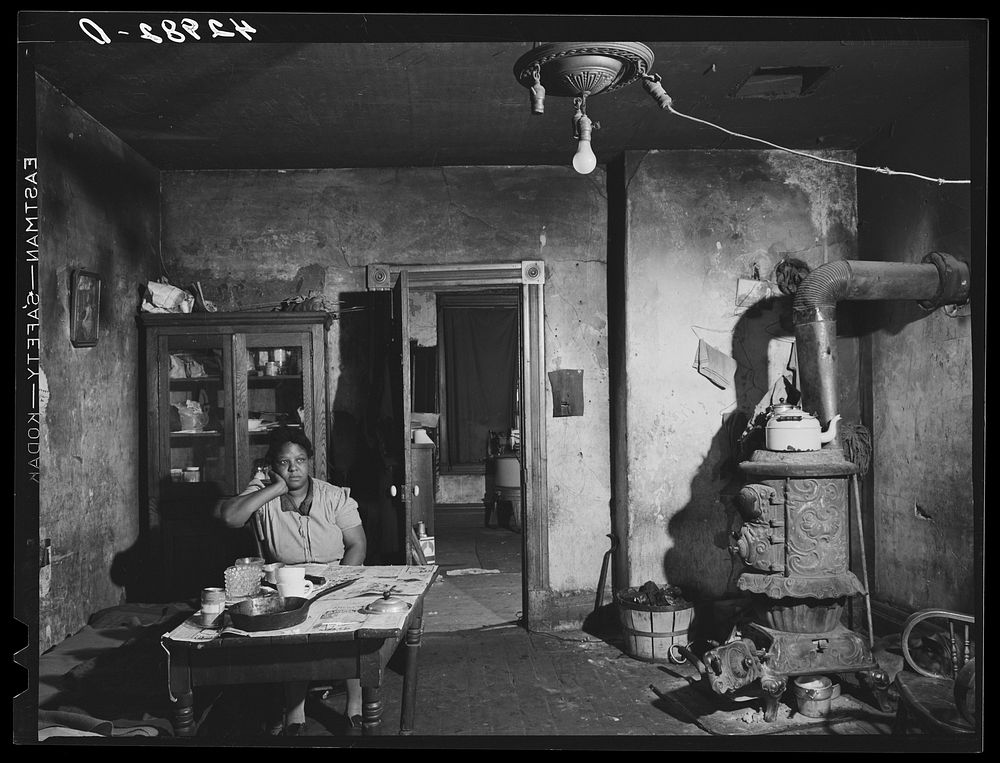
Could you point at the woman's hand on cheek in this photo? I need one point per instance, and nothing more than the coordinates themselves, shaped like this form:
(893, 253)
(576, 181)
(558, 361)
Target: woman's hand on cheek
(279, 482)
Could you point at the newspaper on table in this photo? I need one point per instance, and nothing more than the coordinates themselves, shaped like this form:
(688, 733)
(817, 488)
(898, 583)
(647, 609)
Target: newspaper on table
(339, 611)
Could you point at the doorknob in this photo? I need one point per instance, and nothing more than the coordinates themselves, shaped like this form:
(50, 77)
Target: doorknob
(393, 491)
(416, 489)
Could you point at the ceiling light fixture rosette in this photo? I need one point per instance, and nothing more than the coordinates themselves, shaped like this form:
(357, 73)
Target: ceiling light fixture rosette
(579, 70)
(572, 69)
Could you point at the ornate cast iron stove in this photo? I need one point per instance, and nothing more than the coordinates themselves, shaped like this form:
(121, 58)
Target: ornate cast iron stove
(794, 535)
(794, 541)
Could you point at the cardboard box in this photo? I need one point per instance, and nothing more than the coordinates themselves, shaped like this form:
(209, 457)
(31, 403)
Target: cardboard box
(427, 547)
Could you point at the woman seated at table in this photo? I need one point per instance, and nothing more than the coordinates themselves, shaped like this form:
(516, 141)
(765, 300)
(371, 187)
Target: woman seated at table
(303, 520)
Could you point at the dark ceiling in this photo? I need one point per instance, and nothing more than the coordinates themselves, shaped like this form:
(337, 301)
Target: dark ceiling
(372, 102)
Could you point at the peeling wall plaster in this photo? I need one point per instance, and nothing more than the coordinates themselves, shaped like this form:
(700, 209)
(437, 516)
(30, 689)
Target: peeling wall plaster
(98, 211)
(698, 222)
(423, 318)
(829, 188)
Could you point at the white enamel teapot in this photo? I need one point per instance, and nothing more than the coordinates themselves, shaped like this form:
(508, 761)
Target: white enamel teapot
(789, 428)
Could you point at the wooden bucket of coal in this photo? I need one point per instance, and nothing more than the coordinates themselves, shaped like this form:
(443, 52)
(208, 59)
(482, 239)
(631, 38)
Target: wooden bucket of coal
(652, 633)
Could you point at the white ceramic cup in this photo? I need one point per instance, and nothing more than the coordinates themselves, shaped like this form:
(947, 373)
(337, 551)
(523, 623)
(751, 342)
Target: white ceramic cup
(301, 589)
(291, 581)
(288, 574)
(271, 571)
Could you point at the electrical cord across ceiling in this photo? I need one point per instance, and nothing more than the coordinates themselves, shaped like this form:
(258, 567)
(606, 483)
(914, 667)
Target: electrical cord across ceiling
(668, 105)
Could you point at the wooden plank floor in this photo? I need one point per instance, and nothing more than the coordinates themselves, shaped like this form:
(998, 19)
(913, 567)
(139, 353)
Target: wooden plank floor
(479, 574)
(484, 676)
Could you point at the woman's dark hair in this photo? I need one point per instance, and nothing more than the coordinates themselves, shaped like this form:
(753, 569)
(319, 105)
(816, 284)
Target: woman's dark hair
(282, 437)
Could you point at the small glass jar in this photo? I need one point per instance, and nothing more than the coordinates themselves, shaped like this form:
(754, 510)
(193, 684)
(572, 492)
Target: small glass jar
(242, 580)
(280, 357)
(213, 600)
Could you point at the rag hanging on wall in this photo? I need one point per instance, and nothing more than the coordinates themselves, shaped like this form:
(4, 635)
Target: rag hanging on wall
(714, 365)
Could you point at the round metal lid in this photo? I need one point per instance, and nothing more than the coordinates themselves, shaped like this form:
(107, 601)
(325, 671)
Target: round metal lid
(388, 603)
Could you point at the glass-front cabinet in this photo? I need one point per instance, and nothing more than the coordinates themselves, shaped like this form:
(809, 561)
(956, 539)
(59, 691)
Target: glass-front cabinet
(217, 386)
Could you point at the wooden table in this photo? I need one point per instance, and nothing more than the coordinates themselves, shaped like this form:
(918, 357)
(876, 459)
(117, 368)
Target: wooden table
(336, 641)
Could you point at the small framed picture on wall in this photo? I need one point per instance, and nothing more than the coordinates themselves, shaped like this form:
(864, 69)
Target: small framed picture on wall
(85, 308)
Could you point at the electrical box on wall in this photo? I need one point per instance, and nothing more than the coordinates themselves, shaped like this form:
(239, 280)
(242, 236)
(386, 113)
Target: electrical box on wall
(567, 392)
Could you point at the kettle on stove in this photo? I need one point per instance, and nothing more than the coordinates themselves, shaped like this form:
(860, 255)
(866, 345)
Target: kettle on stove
(789, 428)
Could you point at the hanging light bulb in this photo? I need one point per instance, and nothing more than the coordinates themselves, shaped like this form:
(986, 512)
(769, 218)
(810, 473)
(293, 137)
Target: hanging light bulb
(584, 160)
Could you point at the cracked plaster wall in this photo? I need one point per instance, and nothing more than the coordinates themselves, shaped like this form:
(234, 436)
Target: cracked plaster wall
(257, 237)
(697, 221)
(98, 212)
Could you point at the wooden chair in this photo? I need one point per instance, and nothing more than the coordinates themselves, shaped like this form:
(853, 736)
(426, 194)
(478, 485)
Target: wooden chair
(937, 695)
(256, 529)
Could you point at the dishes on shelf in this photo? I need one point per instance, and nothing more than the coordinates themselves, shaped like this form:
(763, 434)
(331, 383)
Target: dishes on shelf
(184, 382)
(271, 425)
(212, 432)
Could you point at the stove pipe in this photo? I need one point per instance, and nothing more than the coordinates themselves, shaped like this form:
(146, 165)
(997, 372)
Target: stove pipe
(939, 279)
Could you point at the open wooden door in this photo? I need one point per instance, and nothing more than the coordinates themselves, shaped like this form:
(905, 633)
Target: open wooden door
(401, 335)
(393, 351)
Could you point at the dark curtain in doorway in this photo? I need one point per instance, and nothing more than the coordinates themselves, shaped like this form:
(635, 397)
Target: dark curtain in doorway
(481, 363)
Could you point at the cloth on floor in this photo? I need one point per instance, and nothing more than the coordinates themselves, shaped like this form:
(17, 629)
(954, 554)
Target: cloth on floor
(54, 723)
(714, 365)
(56, 662)
(110, 680)
(139, 614)
(63, 731)
(54, 719)
(134, 673)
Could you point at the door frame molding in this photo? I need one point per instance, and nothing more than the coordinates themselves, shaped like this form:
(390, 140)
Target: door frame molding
(529, 276)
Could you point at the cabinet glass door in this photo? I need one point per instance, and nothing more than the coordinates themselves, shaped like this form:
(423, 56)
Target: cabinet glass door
(197, 405)
(278, 391)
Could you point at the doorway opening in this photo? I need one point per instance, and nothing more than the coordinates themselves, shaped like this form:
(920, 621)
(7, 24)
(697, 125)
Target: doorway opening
(415, 291)
(476, 416)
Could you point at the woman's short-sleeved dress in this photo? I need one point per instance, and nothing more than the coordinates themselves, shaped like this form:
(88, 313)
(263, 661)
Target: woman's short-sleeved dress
(293, 537)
